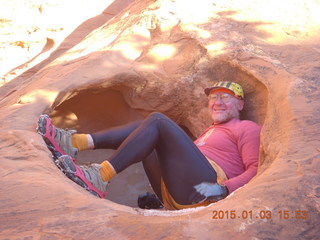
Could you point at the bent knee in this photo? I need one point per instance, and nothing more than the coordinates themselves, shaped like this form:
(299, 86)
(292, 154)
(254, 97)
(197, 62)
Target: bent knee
(157, 115)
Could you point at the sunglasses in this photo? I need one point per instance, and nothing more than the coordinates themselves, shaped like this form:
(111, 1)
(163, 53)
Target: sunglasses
(224, 97)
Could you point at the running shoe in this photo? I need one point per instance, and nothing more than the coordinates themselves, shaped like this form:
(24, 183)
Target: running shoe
(87, 177)
(58, 140)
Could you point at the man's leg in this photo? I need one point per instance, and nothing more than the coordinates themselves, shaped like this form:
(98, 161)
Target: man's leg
(113, 137)
(151, 167)
(181, 164)
(69, 142)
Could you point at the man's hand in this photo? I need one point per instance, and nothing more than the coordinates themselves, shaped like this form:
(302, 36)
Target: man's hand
(212, 191)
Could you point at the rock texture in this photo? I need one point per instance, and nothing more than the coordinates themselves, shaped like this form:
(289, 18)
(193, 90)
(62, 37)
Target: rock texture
(158, 56)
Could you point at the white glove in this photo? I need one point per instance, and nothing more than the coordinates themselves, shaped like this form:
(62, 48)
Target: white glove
(212, 190)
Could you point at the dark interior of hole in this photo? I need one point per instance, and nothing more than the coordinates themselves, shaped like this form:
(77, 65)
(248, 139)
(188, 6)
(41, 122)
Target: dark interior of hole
(91, 111)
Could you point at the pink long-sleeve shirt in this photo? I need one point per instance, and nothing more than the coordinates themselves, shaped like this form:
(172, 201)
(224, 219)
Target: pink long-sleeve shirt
(234, 146)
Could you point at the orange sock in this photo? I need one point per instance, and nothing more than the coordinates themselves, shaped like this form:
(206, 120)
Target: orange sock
(107, 171)
(80, 141)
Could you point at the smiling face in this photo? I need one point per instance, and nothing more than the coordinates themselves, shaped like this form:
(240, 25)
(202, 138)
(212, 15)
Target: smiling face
(224, 106)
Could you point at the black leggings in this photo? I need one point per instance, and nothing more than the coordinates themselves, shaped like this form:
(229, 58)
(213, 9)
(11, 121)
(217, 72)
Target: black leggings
(166, 152)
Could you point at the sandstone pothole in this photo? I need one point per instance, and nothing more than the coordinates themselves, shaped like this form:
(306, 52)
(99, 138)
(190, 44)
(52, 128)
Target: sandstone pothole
(95, 109)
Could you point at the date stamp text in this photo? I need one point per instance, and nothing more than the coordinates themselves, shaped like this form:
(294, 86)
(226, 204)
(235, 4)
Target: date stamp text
(259, 214)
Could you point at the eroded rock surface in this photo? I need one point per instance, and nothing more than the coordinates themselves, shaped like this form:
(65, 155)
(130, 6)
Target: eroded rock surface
(158, 56)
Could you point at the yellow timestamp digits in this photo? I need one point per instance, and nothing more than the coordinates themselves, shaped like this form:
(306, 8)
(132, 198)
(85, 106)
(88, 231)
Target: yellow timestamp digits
(261, 214)
(298, 214)
(244, 214)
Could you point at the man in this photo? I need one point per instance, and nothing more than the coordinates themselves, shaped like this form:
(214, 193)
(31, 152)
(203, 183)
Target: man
(182, 173)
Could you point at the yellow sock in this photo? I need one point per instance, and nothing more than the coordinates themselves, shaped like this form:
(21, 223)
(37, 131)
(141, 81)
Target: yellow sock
(107, 171)
(80, 141)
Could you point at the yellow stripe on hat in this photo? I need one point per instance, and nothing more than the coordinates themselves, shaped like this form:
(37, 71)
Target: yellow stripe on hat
(234, 87)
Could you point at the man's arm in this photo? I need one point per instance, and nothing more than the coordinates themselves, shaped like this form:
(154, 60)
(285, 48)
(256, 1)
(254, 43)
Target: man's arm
(248, 145)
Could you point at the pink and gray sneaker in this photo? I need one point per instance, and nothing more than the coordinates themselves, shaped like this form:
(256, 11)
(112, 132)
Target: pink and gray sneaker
(87, 177)
(58, 140)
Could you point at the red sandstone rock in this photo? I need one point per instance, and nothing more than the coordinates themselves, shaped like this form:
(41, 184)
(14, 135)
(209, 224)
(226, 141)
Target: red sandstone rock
(158, 56)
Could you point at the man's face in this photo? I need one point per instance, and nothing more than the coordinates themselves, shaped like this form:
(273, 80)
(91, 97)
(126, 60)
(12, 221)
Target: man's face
(223, 106)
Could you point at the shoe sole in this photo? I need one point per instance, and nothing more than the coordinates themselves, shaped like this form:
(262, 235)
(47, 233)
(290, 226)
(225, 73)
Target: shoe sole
(46, 130)
(73, 172)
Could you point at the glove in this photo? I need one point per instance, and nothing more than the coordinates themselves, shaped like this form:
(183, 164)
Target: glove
(212, 191)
